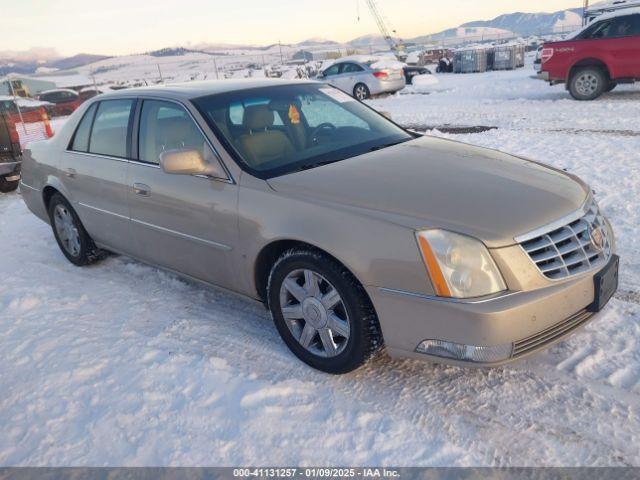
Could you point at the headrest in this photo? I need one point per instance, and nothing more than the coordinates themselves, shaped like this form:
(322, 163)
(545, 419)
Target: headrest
(257, 117)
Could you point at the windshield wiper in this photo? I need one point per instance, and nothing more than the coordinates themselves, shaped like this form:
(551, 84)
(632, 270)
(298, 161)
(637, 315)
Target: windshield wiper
(315, 165)
(387, 145)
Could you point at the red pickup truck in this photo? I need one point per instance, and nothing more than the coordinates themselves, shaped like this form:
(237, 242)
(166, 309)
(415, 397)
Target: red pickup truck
(600, 56)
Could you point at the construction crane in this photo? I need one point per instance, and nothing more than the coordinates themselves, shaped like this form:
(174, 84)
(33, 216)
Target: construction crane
(396, 44)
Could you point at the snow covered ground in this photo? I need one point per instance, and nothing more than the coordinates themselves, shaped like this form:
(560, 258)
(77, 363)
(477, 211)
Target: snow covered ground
(120, 363)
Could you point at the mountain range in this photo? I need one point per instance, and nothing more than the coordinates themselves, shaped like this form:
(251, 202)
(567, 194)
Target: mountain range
(518, 23)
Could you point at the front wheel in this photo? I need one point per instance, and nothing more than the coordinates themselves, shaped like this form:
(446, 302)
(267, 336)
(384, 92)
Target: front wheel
(72, 238)
(361, 91)
(322, 312)
(7, 186)
(588, 83)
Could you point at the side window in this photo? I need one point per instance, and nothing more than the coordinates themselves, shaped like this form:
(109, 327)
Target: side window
(332, 70)
(110, 128)
(167, 126)
(625, 26)
(352, 68)
(80, 141)
(599, 30)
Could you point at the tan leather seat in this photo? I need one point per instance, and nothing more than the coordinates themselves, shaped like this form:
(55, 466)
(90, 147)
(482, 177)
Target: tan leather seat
(262, 144)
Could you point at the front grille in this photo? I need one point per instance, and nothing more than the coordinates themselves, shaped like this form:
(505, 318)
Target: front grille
(569, 249)
(550, 334)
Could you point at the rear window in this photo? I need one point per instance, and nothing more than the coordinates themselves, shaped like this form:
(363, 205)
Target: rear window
(110, 128)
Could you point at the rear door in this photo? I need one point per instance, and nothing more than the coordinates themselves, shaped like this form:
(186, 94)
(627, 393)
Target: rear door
(94, 171)
(350, 75)
(184, 223)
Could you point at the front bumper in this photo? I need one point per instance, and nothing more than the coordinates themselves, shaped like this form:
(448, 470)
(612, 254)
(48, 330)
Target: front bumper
(8, 169)
(529, 320)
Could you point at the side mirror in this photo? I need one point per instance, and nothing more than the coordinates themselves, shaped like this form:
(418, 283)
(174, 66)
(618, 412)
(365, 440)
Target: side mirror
(184, 161)
(320, 75)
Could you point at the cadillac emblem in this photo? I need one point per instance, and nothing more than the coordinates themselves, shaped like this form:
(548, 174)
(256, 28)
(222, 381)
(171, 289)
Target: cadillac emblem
(597, 238)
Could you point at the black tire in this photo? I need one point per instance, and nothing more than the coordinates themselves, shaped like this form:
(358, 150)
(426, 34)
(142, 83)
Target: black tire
(365, 337)
(7, 186)
(588, 83)
(88, 253)
(361, 91)
(611, 86)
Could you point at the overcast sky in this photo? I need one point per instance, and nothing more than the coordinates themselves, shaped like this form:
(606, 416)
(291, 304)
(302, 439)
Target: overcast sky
(124, 26)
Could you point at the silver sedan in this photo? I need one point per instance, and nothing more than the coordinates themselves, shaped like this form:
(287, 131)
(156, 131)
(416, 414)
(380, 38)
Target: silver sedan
(363, 79)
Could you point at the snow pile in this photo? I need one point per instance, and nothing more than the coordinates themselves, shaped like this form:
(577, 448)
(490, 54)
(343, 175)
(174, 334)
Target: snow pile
(423, 83)
(120, 363)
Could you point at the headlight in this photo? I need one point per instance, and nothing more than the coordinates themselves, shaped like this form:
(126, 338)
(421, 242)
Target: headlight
(459, 266)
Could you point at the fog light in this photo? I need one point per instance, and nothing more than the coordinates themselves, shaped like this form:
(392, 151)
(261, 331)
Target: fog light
(466, 353)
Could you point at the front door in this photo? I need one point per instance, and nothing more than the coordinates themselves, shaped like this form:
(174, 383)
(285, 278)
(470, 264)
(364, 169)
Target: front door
(184, 223)
(94, 171)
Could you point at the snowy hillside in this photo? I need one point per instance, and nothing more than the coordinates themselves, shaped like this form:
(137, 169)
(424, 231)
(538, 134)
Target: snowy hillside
(534, 23)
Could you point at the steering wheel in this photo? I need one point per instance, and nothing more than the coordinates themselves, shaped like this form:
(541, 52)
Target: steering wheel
(318, 129)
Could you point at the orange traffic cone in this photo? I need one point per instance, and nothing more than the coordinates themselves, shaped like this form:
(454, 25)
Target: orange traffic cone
(47, 124)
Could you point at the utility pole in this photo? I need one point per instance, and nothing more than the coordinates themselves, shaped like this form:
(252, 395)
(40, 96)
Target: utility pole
(585, 7)
(215, 65)
(15, 99)
(280, 47)
(160, 72)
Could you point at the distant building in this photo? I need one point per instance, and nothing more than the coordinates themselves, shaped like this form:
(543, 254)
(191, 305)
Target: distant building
(24, 86)
(308, 56)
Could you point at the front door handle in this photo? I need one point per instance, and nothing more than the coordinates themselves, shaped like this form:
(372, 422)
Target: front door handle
(142, 189)
(71, 172)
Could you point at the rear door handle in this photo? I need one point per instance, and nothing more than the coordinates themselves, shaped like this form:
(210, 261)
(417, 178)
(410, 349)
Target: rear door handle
(71, 172)
(142, 189)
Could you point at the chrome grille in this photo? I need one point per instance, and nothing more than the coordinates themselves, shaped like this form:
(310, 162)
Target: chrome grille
(567, 250)
(550, 334)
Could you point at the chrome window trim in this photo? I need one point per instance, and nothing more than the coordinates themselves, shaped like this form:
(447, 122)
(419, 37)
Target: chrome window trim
(211, 243)
(230, 180)
(98, 155)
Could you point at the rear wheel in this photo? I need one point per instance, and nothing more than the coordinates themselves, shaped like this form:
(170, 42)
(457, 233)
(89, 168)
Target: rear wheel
(322, 312)
(7, 186)
(361, 91)
(588, 83)
(72, 238)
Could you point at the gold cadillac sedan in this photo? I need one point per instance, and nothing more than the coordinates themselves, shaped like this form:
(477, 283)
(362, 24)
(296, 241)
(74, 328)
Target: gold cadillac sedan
(353, 231)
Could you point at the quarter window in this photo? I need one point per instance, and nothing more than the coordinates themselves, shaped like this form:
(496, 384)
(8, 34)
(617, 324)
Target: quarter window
(167, 126)
(110, 128)
(80, 142)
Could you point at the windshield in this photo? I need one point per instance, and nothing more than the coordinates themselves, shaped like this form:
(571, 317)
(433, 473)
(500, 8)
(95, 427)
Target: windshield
(277, 130)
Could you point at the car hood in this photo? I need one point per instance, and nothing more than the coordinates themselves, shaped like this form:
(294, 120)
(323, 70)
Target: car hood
(436, 183)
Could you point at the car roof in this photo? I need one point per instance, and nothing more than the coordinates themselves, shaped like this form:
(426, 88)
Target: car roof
(57, 90)
(191, 90)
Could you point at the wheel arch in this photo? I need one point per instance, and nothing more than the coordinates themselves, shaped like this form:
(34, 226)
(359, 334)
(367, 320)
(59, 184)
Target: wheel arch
(588, 62)
(272, 251)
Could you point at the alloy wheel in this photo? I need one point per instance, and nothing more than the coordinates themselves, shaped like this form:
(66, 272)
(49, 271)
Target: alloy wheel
(315, 313)
(587, 84)
(361, 92)
(67, 230)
